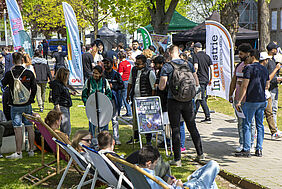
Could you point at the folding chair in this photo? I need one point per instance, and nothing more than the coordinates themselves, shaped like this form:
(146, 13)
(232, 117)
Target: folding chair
(46, 133)
(102, 164)
(82, 163)
(136, 174)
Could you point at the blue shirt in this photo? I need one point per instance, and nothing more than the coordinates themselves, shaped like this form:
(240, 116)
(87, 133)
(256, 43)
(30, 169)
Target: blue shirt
(153, 184)
(167, 70)
(258, 75)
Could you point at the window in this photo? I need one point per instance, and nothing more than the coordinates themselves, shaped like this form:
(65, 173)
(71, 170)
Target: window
(274, 20)
(280, 19)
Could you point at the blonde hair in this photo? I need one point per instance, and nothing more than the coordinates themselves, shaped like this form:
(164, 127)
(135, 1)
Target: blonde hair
(148, 53)
(27, 59)
(62, 75)
(77, 138)
(94, 50)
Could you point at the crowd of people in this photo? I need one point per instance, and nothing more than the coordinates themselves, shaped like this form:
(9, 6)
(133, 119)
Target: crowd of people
(177, 75)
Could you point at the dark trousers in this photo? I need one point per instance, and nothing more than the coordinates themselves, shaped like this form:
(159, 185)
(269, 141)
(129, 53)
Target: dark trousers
(203, 101)
(175, 109)
(5, 102)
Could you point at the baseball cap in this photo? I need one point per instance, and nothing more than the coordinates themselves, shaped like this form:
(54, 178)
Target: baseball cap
(271, 46)
(198, 45)
(263, 56)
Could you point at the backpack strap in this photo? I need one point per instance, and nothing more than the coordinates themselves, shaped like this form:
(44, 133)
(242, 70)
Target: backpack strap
(20, 74)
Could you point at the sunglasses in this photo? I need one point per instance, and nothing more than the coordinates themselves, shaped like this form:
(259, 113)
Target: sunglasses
(86, 140)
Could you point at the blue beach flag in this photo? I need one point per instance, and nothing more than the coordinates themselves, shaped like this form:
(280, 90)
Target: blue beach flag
(73, 44)
(16, 22)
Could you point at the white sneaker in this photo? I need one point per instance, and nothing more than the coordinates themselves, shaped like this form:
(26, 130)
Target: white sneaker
(253, 149)
(15, 156)
(239, 148)
(276, 135)
(1, 156)
(31, 153)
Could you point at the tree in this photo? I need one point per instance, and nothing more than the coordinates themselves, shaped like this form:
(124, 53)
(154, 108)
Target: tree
(160, 18)
(263, 24)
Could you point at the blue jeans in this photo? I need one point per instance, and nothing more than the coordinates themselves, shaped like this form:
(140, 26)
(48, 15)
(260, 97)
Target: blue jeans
(66, 123)
(182, 134)
(253, 109)
(203, 101)
(240, 129)
(123, 96)
(17, 117)
(204, 177)
(93, 127)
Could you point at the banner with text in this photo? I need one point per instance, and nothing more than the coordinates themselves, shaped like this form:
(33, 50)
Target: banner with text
(147, 40)
(73, 44)
(219, 47)
(16, 22)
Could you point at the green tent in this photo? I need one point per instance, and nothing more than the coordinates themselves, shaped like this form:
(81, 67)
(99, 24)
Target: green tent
(177, 23)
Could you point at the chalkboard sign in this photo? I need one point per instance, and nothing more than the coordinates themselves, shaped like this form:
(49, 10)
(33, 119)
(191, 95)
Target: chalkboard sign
(149, 114)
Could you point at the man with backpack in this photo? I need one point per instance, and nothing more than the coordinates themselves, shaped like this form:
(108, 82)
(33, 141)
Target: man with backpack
(182, 84)
(116, 85)
(22, 85)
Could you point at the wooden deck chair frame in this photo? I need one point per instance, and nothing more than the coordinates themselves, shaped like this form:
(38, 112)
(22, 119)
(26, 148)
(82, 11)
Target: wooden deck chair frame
(82, 163)
(135, 167)
(118, 181)
(54, 165)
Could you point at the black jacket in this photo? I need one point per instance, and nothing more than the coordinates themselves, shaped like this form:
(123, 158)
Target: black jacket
(42, 70)
(145, 86)
(114, 78)
(27, 79)
(60, 94)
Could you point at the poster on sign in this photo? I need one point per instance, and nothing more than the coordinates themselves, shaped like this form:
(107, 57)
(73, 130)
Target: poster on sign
(149, 114)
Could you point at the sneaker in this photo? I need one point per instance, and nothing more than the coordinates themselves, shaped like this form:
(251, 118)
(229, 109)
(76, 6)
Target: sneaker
(131, 141)
(253, 149)
(1, 156)
(276, 135)
(200, 158)
(118, 142)
(126, 115)
(258, 153)
(240, 148)
(243, 153)
(31, 153)
(15, 156)
(183, 149)
(207, 120)
(175, 163)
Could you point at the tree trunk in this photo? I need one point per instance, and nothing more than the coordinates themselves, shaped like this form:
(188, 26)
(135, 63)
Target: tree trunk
(229, 17)
(95, 18)
(263, 24)
(160, 18)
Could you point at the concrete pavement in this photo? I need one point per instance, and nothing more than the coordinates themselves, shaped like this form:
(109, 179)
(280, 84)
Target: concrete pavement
(220, 140)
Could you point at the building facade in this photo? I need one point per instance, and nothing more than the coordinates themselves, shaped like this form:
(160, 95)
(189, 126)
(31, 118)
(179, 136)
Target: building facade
(276, 21)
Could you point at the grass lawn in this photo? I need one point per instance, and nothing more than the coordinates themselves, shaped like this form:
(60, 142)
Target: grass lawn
(12, 170)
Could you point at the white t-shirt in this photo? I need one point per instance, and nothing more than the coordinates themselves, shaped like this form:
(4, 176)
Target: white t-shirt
(135, 53)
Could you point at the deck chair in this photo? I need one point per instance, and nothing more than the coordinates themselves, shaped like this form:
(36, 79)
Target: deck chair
(81, 162)
(54, 166)
(102, 164)
(136, 174)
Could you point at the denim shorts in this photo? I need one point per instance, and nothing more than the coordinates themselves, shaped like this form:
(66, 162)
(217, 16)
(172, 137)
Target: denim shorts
(17, 117)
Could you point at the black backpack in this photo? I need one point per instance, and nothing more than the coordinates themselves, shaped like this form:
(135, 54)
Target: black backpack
(182, 83)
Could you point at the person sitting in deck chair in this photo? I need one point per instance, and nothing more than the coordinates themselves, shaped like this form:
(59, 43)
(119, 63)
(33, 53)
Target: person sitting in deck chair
(53, 120)
(106, 145)
(203, 178)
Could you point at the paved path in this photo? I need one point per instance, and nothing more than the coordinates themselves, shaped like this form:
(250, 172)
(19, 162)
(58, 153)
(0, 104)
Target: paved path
(220, 140)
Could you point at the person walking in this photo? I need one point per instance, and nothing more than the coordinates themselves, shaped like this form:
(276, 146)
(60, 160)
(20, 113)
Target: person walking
(42, 73)
(20, 101)
(59, 59)
(202, 64)
(87, 63)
